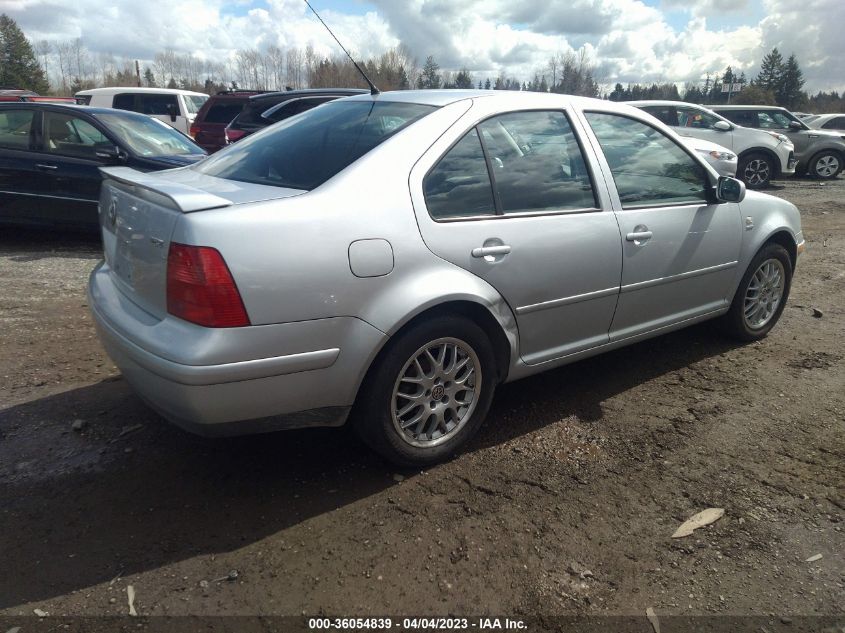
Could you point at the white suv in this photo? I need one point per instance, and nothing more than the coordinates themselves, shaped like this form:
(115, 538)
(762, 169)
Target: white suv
(177, 108)
(762, 155)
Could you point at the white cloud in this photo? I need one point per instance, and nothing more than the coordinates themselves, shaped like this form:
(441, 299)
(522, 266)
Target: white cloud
(630, 41)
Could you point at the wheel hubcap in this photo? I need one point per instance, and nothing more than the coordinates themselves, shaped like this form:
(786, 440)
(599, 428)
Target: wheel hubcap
(827, 166)
(436, 392)
(764, 294)
(756, 172)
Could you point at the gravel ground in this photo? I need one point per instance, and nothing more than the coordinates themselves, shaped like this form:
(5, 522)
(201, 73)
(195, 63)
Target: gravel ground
(564, 505)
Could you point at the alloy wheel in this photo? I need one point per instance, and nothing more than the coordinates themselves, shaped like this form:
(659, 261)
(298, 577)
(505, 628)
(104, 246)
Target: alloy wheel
(756, 172)
(764, 294)
(827, 166)
(436, 392)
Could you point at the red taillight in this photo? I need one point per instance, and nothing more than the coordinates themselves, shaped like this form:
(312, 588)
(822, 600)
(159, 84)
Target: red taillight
(234, 135)
(195, 129)
(200, 288)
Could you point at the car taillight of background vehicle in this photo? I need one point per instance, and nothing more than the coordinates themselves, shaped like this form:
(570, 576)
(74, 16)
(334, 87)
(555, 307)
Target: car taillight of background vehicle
(195, 129)
(234, 135)
(200, 288)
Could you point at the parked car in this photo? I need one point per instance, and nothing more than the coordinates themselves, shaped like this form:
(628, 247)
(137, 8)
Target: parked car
(406, 252)
(820, 153)
(762, 155)
(720, 158)
(828, 122)
(209, 128)
(50, 155)
(177, 108)
(263, 110)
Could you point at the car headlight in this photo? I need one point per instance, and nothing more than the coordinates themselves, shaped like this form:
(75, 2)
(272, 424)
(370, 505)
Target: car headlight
(780, 137)
(721, 155)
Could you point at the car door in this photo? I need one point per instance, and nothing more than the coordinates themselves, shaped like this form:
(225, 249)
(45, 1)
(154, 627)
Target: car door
(775, 121)
(680, 251)
(68, 150)
(512, 200)
(20, 178)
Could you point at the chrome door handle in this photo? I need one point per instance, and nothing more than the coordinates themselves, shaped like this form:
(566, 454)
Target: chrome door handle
(40, 166)
(486, 251)
(638, 236)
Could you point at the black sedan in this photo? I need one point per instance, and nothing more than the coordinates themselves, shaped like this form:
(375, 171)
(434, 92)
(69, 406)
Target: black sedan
(50, 157)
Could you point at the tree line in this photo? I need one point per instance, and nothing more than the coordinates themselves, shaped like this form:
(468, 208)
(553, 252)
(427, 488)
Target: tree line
(65, 67)
(780, 82)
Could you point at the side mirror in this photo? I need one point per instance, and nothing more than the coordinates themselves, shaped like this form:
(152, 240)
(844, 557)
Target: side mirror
(110, 154)
(730, 189)
(172, 111)
(722, 126)
(795, 125)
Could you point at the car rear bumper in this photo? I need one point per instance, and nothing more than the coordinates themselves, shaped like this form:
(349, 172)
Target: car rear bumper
(244, 392)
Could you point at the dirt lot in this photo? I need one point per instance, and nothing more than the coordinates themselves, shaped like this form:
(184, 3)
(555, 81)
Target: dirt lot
(564, 505)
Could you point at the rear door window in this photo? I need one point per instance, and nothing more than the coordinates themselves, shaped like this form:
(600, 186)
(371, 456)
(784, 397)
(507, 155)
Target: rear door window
(536, 163)
(157, 103)
(125, 101)
(15, 127)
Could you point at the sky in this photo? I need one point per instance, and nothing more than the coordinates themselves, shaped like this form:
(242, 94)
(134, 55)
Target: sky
(628, 40)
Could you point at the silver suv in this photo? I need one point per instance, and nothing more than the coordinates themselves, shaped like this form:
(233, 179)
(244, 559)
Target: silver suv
(762, 154)
(819, 153)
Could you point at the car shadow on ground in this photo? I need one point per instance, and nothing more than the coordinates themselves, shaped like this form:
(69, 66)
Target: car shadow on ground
(79, 509)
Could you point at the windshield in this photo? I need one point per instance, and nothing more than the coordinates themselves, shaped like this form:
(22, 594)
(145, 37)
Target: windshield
(147, 136)
(306, 150)
(193, 103)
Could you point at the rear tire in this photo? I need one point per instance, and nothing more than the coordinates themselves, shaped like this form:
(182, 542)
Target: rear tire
(826, 165)
(429, 393)
(761, 297)
(756, 170)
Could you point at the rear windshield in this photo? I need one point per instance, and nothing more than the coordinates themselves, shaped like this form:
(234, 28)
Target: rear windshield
(223, 112)
(306, 150)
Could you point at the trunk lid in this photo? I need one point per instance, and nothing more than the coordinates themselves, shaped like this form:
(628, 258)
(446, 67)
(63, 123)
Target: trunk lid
(138, 213)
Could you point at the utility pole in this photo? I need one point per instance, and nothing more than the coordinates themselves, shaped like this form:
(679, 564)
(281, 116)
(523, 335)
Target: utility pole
(138, 72)
(707, 89)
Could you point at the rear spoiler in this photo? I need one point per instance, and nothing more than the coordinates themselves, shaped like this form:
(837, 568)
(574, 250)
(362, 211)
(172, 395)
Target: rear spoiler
(182, 197)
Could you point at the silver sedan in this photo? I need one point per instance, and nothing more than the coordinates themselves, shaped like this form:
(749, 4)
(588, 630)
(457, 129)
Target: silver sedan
(389, 259)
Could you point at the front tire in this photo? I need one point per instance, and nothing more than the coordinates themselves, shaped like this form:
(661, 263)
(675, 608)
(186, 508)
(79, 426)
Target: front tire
(826, 165)
(761, 297)
(429, 393)
(756, 170)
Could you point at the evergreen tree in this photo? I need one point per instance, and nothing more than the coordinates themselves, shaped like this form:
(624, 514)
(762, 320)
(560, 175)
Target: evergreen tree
(149, 78)
(487, 84)
(771, 71)
(18, 66)
(463, 79)
(790, 92)
(430, 78)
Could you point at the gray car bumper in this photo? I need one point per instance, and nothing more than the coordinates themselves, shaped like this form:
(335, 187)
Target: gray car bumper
(243, 395)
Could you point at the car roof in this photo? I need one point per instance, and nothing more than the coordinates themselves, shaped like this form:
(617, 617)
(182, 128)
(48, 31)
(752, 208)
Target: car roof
(517, 98)
(120, 89)
(748, 107)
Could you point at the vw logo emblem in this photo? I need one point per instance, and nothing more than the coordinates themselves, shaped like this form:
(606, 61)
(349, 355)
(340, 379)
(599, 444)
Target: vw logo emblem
(113, 212)
(437, 392)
